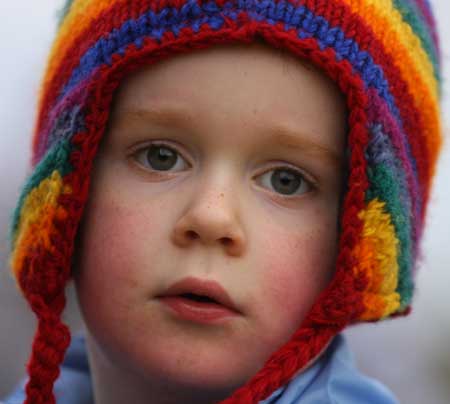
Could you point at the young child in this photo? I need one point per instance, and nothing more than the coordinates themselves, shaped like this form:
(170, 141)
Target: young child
(229, 185)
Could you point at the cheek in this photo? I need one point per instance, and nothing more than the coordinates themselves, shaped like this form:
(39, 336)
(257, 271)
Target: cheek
(114, 256)
(295, 269)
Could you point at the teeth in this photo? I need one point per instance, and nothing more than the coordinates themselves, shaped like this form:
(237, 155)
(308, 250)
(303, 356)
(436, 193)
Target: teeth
(198, 298)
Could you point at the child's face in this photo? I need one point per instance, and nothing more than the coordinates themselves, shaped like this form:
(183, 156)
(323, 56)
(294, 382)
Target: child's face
(218, 204)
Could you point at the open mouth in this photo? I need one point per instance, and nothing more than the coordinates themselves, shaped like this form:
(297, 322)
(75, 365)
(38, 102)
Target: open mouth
(201, 294)
(197, 308)
(198, 298)
(202, 301)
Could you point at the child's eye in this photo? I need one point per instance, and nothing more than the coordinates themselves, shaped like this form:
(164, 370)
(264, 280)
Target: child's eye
(286, 181)
(159, 157)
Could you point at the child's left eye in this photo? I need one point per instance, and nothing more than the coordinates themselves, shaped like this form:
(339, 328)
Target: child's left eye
(285, 180)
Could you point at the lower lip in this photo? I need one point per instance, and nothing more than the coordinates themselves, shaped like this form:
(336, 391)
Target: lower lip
(198, 312)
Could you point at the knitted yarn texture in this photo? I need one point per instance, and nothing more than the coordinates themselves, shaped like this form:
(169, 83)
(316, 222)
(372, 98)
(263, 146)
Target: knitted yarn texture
(383, 54)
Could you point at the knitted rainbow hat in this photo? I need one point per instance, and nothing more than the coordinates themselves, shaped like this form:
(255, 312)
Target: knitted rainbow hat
(384, 56)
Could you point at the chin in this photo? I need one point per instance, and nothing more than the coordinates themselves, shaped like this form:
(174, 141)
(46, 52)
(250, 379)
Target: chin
(191, 370)
(215, 361)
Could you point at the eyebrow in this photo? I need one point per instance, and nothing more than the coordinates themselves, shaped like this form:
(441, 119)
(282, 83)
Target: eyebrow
(290, 139)
(280, 135)
(162, 115)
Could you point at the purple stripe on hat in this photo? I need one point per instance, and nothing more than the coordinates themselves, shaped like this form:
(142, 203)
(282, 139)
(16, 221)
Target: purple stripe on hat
(381, 151)
(68, 122)
(49, 132)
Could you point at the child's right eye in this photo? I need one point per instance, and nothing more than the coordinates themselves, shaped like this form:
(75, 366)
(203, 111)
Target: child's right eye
(159, 157)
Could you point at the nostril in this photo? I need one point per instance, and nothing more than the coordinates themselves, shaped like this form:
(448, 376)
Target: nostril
(226, 241)
(192, 235)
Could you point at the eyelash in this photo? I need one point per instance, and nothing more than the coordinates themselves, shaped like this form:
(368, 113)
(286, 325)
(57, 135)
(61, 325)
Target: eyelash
(310, 183)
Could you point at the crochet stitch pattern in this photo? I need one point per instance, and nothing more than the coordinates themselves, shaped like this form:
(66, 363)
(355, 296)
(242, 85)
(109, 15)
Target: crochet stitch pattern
(383, 54)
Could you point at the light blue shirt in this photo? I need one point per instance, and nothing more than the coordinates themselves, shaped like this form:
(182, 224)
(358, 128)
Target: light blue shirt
(332, 379)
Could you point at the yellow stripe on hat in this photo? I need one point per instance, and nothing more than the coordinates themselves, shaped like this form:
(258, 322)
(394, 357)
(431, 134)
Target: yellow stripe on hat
(376, 256)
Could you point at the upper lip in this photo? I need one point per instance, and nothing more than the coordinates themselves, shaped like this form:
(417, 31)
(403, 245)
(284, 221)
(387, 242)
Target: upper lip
(201, 287)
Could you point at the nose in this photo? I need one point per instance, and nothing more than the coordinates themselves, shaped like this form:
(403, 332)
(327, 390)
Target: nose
(211, 220)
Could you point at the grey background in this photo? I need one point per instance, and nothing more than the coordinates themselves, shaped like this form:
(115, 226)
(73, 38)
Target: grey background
(409, 355)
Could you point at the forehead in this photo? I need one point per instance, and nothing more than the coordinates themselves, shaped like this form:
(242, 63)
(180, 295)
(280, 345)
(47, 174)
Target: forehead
(237, 85)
